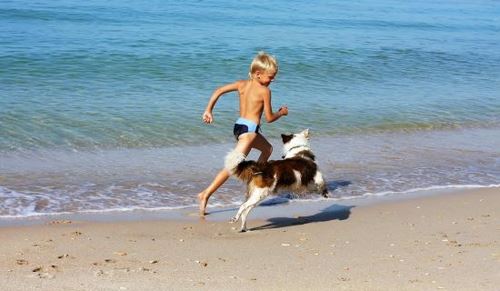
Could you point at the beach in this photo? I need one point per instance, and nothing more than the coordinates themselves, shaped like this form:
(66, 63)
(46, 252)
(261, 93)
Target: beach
(103, 149)
(429, 242)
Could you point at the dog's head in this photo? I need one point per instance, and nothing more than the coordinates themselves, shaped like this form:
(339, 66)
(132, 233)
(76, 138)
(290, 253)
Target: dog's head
(295, 143)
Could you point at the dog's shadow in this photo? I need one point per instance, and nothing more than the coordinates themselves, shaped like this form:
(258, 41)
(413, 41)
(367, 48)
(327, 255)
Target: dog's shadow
(332, 212)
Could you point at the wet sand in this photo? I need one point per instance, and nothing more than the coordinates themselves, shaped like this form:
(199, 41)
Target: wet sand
(443, 242)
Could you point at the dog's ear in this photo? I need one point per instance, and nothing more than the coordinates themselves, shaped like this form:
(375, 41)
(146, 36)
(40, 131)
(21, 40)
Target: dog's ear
(306, 133)
(286, 137)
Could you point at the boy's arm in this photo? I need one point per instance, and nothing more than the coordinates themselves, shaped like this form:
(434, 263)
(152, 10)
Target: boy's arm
(268, 110)
(207, 115)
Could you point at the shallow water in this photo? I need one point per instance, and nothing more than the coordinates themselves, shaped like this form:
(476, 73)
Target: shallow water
(170, 178)
(100, 101)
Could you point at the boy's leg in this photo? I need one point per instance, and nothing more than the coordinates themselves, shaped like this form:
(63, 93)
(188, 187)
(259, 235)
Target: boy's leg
(245, 142)
(265, 148)
(244, 146)
(220, 179)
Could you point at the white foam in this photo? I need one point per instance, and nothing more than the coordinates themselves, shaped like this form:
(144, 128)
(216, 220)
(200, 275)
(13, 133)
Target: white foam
(406, 192)
(432, 188)
(96, 211)
(27, 213)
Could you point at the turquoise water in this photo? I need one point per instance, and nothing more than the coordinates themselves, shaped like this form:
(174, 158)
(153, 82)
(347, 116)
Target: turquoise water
(108, 78)
(108, 74)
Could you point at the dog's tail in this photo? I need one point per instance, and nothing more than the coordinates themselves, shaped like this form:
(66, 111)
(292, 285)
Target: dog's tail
(236, 165)
(233, 159)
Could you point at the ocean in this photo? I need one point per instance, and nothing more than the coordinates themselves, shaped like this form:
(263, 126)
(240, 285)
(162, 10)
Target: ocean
(101, 101)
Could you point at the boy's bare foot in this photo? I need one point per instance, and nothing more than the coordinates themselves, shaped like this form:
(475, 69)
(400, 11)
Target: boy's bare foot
(203, 203)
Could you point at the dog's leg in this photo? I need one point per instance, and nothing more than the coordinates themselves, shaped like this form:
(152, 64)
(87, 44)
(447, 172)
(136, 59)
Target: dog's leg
(253, 196)
(320, 184)
(243, 206)
(238, 214)
(257, 196)
(248, 194)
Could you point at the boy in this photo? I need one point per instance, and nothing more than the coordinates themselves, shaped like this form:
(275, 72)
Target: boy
(255, 98)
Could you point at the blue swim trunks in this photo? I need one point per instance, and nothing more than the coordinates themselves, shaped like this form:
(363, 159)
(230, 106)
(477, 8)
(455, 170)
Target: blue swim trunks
(243, 125)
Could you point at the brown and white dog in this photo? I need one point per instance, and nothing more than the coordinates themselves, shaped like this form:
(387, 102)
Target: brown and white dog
(297, 172)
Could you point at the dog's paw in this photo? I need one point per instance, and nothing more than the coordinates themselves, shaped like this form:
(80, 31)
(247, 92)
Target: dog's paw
(233, 219)
(243, 230)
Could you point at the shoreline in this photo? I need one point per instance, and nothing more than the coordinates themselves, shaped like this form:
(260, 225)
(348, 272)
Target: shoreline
(437, 242)
(64, 182)
(279, 205)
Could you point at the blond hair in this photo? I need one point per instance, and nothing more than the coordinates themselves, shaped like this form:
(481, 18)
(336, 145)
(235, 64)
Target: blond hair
(263, 62)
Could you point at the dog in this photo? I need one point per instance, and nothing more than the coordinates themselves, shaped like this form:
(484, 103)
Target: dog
(296, 172)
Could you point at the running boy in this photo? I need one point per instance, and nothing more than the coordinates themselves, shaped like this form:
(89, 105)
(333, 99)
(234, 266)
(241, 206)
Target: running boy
(255, 98)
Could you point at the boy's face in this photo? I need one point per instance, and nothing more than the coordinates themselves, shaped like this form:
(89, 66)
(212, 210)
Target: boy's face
(266, 77)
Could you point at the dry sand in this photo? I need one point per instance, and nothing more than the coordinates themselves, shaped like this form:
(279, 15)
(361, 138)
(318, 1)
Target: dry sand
(445, 242)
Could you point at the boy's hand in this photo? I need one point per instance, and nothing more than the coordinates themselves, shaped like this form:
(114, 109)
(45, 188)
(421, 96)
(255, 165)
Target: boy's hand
(283, 110)
(207, 117)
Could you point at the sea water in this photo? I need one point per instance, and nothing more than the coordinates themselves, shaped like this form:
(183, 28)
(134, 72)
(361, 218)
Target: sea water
(101, 101)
